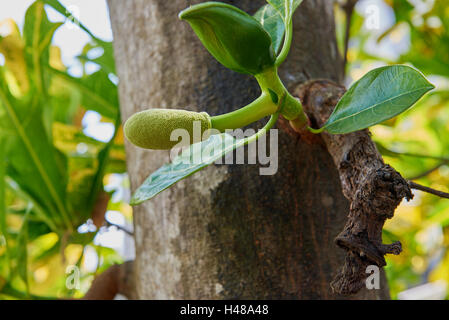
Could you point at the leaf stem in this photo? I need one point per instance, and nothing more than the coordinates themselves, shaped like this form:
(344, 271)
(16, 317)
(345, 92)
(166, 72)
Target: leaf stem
(256, 110)
(388, 152)
(290, 108)
(261, 132)
(316, 131)
(274, 98)
(119, 227)
(287, 43)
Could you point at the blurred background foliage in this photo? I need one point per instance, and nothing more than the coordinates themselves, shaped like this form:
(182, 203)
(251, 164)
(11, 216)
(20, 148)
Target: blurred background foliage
(60, 187)
(54, 177)
(416, 143)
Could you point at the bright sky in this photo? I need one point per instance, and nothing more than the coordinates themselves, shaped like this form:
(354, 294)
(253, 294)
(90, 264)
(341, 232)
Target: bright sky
(379, 17)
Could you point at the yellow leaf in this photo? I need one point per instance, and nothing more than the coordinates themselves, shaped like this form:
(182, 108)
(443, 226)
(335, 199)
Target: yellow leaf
(55, 59)
(12, 47)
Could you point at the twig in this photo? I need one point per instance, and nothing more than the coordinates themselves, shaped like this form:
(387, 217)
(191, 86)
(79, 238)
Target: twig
(429, 171)
(348, 8)
(438, 193)
(391, 153)
(110, 224)
(116, 279)
(418, 155)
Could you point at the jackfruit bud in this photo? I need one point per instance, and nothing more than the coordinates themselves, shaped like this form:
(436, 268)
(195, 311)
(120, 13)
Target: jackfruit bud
(152, 129)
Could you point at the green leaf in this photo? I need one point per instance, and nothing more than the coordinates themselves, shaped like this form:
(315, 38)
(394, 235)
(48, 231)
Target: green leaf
(378, 96)
(191, 160)
(272, 19)
(10, 291)
(234, 38)
(38, 32)
(3, 227)
(285, 7)
(2, 188)
(22, 250)
(63, 102)
(98, 92)
(31, 154)
(38, 212)
(105, 60)
(273, 23)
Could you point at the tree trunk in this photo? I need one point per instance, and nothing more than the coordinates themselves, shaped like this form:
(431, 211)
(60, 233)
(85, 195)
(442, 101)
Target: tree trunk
(228, 232)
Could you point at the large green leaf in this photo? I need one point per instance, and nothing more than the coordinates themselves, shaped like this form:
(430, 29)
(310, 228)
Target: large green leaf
(98, 92)
(63, 102)
(30, 153)
(4, 261)
(105, 60)
(378, 96)
(38, 32)
(22, 250)
(39, 212)
(2, 188)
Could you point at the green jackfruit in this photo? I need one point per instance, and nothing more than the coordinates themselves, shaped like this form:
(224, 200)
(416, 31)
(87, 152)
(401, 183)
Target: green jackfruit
(151, 129)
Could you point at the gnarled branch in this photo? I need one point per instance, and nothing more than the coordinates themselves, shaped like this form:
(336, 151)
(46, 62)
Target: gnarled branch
(373, 188)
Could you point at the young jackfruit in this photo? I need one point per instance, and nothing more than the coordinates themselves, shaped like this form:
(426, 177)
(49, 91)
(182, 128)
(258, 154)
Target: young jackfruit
(152, 129)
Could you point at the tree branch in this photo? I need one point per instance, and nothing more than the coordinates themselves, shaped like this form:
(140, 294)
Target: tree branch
(100, 208)
(348, 8)
(119, 227)
(389, 152)
(373, 188)
(438, 193)
(116, 279)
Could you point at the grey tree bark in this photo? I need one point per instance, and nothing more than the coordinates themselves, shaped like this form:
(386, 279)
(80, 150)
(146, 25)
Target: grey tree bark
(228, 232)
